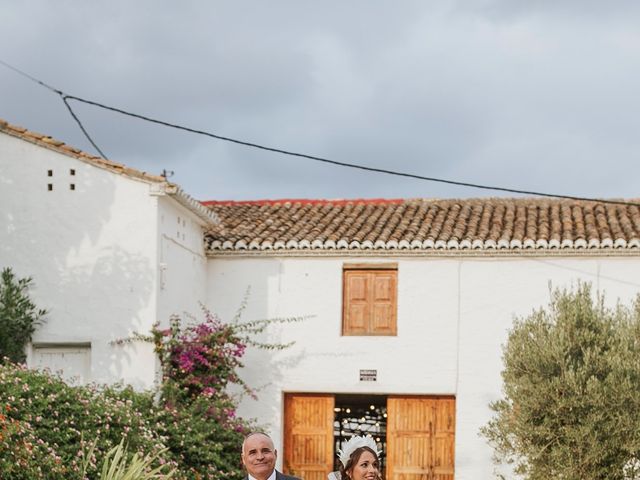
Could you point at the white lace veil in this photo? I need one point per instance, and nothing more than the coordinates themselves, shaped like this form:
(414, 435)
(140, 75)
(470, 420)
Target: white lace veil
(334, 476)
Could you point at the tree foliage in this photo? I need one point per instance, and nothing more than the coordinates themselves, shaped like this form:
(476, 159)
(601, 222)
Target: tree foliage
(57, 422)
(51, 430)
(199, 362)
(19, 316)
(571, 383)
(24, 456)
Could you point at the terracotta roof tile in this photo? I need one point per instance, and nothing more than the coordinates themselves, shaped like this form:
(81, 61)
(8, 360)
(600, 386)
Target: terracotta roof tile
(423, 225)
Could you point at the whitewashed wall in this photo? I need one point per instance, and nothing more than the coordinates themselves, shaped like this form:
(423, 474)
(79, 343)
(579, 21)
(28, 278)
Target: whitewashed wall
(182, 262)
(92, 253)
(453, 314)
(112, 256)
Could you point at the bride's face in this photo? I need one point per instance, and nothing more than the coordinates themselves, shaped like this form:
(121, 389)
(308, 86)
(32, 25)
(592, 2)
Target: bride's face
(366, 468)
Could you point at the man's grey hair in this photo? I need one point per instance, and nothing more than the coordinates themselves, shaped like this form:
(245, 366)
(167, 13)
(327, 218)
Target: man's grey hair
(251, 434)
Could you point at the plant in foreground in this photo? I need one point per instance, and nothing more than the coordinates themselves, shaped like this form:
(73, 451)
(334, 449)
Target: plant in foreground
(19, 316)
(24, 456)
(118, 466)
(571, 383)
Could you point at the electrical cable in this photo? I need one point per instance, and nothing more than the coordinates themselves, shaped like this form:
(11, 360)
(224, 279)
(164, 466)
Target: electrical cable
(86, 134)
(33, 79)
(65, 97)
(64, 100)
(343, 164)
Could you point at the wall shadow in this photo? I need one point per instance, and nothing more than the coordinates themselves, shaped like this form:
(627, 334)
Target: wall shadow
(88, 244)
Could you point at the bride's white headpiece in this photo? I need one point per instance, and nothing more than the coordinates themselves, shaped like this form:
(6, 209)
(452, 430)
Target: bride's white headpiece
(353, 443)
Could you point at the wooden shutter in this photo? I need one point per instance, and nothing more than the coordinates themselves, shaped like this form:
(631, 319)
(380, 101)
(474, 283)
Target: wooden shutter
(356, 303)
(420, 438)
(383, 300)
(308, 435)
(370, 302)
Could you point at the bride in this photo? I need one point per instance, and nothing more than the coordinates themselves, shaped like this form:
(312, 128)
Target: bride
(358, 460)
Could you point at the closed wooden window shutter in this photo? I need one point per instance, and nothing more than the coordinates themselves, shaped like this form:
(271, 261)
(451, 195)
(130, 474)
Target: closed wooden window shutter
(370, 302)
(420, 438)
(308, 435)
(357, 308)
(383, 301)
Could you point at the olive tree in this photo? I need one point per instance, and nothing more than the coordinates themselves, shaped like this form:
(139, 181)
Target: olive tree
(571, 391)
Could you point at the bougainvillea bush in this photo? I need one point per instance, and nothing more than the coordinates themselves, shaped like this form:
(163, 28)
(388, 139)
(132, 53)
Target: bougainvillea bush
(47, 427)
(52, 429)
(199, 361)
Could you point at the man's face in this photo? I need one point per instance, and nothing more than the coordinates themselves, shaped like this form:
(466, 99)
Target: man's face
(259, 456)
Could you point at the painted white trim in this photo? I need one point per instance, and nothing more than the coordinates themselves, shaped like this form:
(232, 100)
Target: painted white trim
(430, 253)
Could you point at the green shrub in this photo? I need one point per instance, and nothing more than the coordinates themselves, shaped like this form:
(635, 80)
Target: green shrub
(199, 362)
(571, 391)
(19, 316)
(24, 456)
(67, 418)
(64, 421)
(202, 445)
(191, 427)
(118, 465)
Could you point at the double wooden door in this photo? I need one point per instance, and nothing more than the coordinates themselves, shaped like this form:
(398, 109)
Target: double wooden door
(420, 437)
(308, 435)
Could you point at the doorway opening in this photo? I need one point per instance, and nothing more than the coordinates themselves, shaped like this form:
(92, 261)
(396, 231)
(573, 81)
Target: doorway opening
(364, 415)
(415, 433)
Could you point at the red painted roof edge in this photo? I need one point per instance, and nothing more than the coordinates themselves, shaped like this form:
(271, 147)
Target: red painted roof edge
(305, 201)
(392, 201)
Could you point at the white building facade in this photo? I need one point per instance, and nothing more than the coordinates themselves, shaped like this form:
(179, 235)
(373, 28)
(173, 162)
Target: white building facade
(407, 302)
(454, 309)
(108, 248)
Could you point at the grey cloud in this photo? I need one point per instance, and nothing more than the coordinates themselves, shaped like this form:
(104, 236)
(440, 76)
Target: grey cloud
(523, 94)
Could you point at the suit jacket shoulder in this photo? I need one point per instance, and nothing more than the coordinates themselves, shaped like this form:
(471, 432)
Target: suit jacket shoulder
(282, 476)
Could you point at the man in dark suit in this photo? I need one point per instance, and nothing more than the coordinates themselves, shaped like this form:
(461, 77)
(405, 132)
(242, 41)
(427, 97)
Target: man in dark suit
(259, 458)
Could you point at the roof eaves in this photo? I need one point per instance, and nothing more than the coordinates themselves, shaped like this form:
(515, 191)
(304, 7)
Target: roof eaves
(173, 190)
(61, 147)
(191, 204)
(303, 201)
(216, 248)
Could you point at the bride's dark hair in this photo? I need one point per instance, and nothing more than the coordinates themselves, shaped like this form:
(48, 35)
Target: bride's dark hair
(354, 458)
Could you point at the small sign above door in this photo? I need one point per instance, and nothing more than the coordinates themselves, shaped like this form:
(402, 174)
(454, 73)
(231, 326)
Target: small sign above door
(368, 375)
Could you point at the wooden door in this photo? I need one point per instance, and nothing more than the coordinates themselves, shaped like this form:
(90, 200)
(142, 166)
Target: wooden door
(308, 435)
(420, 438)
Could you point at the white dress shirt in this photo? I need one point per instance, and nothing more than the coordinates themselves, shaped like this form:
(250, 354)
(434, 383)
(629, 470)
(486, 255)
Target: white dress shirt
(271, 477)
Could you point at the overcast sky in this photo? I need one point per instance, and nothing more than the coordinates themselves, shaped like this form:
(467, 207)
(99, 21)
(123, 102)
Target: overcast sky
(536, 95)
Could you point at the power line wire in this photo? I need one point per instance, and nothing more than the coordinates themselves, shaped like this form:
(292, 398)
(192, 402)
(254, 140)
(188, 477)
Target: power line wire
(86, 134)
(339, 163)
(65, 97)
(33, 79)
(64, 100)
